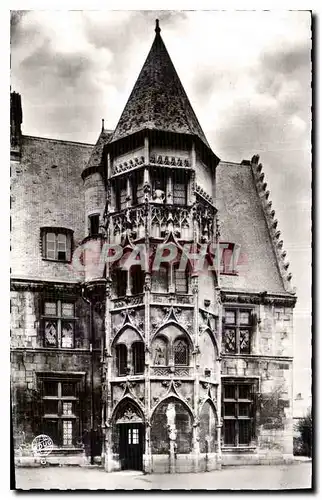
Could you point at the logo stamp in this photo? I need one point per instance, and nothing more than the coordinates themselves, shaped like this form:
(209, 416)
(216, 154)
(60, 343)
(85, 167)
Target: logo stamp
(42, 445)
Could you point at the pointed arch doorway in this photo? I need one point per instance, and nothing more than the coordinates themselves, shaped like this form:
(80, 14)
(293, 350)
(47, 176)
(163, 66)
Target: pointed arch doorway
(130, 429)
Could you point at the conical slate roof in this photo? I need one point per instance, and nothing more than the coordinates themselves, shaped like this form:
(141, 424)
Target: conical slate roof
(158, 100)
(96, 156)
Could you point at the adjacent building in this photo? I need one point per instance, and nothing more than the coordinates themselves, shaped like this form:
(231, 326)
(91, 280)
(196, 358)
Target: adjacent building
(161, 368)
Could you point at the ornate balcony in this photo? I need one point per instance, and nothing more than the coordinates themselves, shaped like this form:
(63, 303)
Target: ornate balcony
(128, 301)
(157, 219)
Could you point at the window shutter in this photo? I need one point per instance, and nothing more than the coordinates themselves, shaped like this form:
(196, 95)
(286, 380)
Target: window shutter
(43, 244)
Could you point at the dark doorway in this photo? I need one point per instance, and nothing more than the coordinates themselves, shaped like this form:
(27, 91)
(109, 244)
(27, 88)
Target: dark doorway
(131, 446)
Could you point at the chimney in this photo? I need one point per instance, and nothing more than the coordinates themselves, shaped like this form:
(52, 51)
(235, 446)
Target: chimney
(15, 126)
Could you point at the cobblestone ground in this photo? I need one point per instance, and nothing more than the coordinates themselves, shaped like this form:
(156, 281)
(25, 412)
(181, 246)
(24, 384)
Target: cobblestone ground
(259, 477)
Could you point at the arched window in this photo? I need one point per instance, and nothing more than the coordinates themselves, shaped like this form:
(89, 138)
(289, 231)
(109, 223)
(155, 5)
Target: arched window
(121, 359)
(181, 352)
(160, 351)
(138, 357)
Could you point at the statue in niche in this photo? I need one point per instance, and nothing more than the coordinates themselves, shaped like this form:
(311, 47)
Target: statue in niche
(160, 354)
(171, 421)
(158, 194)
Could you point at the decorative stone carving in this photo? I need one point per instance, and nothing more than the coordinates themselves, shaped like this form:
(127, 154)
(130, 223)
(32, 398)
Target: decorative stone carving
(129, 416)
(172, 314)
(161, 371)
(128, 301)
(194, 284)
(158, 195)
(132, 318)
(260, 298)
(170, 218)
(204, 214)
(203, 193)
(131, 220)
(160, 352)
(147, 191)
(123, 167)
(164, 160)
(183, 372)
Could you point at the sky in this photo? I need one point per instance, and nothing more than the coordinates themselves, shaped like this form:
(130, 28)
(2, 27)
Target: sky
(247, 75)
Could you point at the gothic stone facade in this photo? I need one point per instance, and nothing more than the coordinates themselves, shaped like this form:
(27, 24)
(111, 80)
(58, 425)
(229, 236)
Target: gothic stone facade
(164, 370)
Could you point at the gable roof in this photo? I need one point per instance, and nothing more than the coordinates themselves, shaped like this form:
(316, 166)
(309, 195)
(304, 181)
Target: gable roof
(246, 218)
(158, 100)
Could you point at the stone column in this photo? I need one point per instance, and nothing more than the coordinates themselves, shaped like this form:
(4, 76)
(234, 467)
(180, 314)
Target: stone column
(146, 150)
(169, 189)
(147, 457)
(128, 191)
(171, 284)
(196, 446)
(191, 197)
(108, 464)
(129, 279)
(108, 360)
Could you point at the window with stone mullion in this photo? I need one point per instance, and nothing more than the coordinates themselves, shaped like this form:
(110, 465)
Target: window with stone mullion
(60, 411)
(237, 331)
(59, 324)
(238, 414)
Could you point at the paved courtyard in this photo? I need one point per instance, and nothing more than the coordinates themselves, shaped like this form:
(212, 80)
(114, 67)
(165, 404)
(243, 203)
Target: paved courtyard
(262, 477)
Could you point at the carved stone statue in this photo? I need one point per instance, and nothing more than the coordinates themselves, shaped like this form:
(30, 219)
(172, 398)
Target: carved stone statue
(158, 194)
(171, 416)
(160, 357)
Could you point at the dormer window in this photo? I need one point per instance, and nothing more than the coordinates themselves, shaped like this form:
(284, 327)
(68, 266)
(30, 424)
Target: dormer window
(56, 244)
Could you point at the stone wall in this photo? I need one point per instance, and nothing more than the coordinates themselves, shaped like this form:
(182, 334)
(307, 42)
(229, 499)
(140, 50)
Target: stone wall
(30, 359)
(26, 366)
(46, 190)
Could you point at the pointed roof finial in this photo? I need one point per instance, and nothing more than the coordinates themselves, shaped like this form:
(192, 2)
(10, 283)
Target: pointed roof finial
(102, 124)
(157, 27)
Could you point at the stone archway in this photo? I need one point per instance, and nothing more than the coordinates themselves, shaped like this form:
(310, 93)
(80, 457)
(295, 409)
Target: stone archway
(171, 434)
(128, 435)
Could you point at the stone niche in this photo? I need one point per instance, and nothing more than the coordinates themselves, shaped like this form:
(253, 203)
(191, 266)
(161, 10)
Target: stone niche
(182, 422)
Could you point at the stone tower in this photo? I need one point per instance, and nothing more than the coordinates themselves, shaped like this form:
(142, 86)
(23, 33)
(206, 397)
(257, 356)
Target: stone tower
(161, 372)
(126, 349)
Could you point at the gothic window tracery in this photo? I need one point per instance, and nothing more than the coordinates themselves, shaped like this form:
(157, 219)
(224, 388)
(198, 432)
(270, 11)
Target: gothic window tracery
(181, 352)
